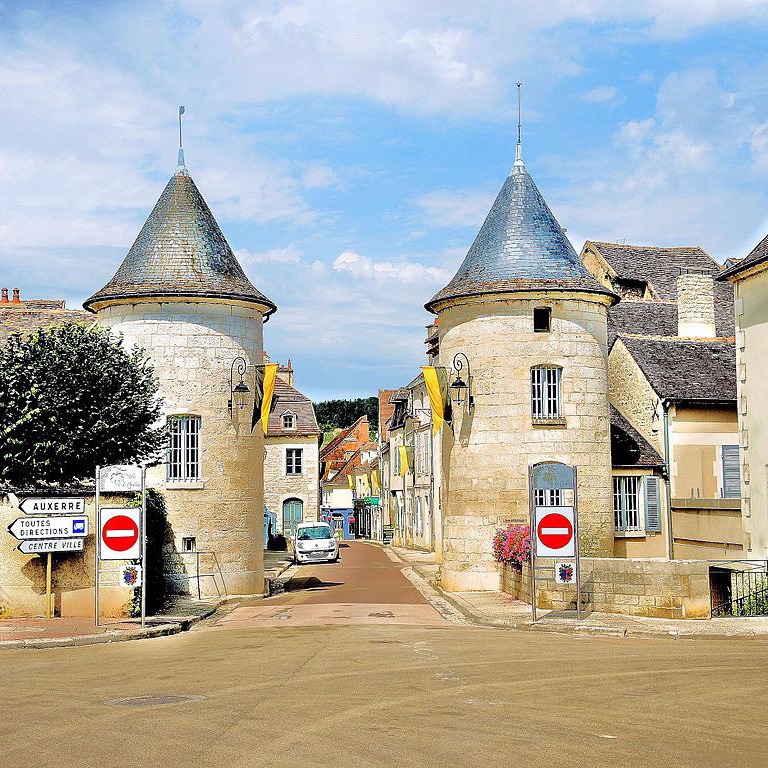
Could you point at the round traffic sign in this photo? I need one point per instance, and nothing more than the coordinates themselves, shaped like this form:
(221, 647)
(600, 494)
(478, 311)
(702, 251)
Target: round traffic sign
(120, 533)
(555, 531)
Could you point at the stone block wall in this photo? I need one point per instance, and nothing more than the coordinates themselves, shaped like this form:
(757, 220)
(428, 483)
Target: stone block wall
(191, 346)
(22, 577)
(485, 459)
(656, 588)
(696, 305)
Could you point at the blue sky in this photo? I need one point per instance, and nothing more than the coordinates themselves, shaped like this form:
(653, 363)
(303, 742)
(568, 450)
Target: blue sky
(350, 150)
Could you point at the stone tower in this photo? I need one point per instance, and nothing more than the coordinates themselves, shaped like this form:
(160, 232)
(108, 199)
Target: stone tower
(181, 295)
(533, 323)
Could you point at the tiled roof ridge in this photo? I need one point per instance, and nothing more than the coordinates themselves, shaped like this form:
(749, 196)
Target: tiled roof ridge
(653, 337)
(345, 432)
(679, 248)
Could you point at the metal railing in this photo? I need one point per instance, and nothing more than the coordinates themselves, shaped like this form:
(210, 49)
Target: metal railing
(739, 587)
(197, 575)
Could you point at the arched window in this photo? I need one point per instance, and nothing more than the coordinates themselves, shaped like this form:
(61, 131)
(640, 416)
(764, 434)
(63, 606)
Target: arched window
(546, 394)
(293, 512)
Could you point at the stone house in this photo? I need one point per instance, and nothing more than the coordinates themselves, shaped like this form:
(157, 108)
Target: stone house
(672, 377)
(749, 278)
(291, 459)
(25, 316)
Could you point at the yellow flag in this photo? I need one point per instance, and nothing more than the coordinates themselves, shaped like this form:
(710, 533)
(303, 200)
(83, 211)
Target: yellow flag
(403, 451)
(375, 480)
(265, 389)
(436, 379)
(351, 481)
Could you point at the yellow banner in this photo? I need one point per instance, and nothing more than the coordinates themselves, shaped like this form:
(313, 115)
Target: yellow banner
(351, 481)
(436, 380)
(403, 451)
(265, 389)
(375, 481)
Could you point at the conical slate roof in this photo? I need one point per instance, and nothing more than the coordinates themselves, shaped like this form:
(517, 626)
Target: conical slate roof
(520, 247)
(180, 253)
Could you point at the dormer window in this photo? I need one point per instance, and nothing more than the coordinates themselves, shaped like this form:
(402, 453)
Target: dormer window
(289, 420)
(542, 319)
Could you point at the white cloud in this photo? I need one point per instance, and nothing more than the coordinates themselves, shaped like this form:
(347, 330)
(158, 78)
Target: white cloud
(402, 271)
(290, 254)
(456, 208)
(603, 94)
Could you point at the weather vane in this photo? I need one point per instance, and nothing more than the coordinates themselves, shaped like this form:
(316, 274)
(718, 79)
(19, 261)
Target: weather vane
(181, 141)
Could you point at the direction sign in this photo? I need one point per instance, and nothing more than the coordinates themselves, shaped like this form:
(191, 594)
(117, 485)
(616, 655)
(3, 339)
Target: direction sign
(35, 505)
(48, 527)
(554, 532)
(119, 533)
(43, 546)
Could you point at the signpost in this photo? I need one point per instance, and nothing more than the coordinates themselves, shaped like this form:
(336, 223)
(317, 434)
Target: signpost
(48, 527)
(41, 546)
(34, 505)
(57, 524)
(122, 531)
(555, 529)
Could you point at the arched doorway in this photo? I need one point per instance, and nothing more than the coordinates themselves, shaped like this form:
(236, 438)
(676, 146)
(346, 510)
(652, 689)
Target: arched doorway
(293, 512)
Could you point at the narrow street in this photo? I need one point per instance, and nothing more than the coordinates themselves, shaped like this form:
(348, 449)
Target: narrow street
(340, 683)
(365, 587)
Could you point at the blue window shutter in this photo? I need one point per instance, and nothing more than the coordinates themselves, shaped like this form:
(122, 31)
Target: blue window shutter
(731, 472)
(652, 504)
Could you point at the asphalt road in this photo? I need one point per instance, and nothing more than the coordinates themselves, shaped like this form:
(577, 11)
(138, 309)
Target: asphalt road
(341, 693)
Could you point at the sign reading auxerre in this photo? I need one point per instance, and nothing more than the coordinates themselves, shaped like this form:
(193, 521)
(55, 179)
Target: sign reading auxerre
(63, 506)
(48, 527)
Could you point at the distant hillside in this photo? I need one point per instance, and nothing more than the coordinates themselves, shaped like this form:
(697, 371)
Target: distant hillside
(335, 414)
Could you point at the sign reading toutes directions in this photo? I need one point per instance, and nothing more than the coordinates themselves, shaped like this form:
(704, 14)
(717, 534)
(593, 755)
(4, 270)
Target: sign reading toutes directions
(554, 532)
(119, 530)
(59, 527)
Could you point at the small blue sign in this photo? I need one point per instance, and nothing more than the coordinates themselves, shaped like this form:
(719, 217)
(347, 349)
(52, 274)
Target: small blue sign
(78, 526)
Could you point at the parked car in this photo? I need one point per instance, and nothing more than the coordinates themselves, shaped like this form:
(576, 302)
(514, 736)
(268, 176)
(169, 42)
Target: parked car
(315, 542)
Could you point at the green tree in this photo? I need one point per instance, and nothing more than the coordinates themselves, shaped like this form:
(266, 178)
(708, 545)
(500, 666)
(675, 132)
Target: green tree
(72, 398)
(343, 413)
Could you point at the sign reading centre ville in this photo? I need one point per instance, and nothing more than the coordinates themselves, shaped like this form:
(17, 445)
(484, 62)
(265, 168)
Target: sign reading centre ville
(43, 546)
(554, 532)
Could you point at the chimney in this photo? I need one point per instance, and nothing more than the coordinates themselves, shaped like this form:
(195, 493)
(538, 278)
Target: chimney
(16, 297)
(696, 305)
(4, 299)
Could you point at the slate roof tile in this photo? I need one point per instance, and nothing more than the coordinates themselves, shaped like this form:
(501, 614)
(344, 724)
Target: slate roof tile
(628, 447)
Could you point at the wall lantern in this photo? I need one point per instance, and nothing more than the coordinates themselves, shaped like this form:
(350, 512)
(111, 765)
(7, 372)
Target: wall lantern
(238, 393)
(461, 391)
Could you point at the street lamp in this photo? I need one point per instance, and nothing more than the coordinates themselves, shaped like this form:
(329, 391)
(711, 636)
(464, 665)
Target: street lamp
(461, 391)
(237, 392)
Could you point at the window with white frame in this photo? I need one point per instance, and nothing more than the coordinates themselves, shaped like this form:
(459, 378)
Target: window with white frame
(548, 498)
(627, 504)
(183, 460)
(289, 420)
(546, 396)
(294, 459)
(396, 462)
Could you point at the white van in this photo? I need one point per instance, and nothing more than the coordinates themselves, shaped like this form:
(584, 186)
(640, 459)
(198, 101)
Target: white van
(315, 542)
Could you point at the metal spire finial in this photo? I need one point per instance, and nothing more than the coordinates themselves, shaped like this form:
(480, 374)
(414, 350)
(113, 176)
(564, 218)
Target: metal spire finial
(519, 148)
(181, 165)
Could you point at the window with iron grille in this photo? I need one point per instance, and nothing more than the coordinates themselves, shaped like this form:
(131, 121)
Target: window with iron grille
(627, 506)
(183, 448)
(293, 461)
(548, 498)
(545, 392)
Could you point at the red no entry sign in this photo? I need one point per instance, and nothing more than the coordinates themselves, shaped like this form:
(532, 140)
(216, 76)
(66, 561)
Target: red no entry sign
(554, 532)
(119, 533)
